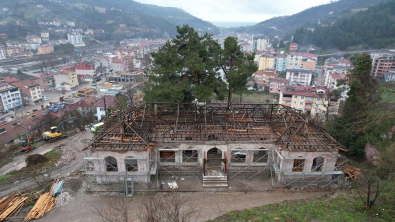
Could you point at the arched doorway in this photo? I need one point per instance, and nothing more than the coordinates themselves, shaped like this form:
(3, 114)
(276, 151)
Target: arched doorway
(214, 164)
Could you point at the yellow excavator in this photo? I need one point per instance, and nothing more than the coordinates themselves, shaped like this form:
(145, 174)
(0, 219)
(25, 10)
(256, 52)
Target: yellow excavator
(55, 133)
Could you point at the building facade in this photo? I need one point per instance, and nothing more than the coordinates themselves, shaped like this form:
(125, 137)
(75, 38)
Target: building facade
(294, 60)
(281, 62)
(267, 62)
(299, 76)
(10, 97)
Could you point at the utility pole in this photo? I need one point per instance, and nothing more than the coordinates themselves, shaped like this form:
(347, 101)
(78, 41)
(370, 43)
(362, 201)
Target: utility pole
(23, 120)
(105, 107)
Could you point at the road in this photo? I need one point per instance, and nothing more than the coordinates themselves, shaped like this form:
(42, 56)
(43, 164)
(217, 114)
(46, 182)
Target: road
(207, 205)
(73, 144)
(320, 77)
(352, 51)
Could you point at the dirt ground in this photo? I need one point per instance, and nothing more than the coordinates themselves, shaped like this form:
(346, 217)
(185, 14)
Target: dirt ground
(209, 205)
(73, 144)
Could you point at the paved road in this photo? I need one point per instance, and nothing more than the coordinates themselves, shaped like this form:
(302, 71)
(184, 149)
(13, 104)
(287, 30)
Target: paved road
(73, 144)
(320, 77)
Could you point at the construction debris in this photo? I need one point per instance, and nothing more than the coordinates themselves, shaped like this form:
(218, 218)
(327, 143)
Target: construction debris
(11, 205)
(351, 172)
(44, 204)
(63, 199)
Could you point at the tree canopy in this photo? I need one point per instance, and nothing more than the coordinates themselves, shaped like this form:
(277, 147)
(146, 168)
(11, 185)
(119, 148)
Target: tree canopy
(365, 117)
(189, 67)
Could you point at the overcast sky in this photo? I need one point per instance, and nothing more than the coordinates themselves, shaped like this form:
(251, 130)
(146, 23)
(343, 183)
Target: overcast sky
(238, 10)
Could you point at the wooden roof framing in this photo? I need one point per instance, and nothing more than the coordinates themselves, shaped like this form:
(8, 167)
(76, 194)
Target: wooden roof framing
(140, 127)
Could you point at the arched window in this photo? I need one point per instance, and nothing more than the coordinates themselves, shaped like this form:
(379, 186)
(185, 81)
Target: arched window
(318, 163)
(261, 155)
(111, 163)
(131, 164)
(238, 156)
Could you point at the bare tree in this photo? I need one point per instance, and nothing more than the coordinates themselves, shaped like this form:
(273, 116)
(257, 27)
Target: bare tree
(116, 210)
(42, 178)
(156, 208)
(371, 188)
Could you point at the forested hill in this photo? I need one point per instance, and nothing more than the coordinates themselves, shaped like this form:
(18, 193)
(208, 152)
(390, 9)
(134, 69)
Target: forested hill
(308, 18)
(141, 21)
(374, 28)
(172, 15)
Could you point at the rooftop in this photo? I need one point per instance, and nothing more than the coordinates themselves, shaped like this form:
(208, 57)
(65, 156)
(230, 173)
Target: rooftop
(146, 125)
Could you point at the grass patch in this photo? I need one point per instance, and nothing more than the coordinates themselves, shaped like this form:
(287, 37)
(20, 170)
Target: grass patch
(344, 207)
(255, 98)
(4, 178)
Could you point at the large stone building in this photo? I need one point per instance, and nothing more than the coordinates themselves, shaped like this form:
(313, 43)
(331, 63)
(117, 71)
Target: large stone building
(212, 143)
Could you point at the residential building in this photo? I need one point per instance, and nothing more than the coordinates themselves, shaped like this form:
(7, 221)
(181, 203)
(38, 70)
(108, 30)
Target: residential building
(309, 56)
(45, 49)
(267, 61)
(260, 43)
(136, 76)
(10, 97)
(263, 76)
(71, 23)
(3, 36)
(33, 39)
(75, 39)
(31, 91)
(382, 65)
(56, 23)
(309, 64)
(66, 79)
(85, 72)
(299, 76)
(103, 105)
(86, 105)
(293, 47)
(276, 83)
(47, 81)
(332, 62)
(119, 65)
(334, 69)
(281, 62)
(89, 32)
(45, 36)
(308, 99)
(2, 54)
(246, 47)
(390, 76)
(294, 60)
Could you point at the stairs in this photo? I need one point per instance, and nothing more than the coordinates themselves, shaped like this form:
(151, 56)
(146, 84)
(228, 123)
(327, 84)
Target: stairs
(215, 181)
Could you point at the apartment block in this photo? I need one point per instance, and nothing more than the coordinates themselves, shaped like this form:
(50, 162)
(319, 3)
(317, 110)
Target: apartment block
(267, 62)
(308, 99)
(299, 76)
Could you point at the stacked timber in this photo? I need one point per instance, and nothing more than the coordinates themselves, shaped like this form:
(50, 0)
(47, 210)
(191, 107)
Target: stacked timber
(44, 204)
(11, 205)
(351, 172)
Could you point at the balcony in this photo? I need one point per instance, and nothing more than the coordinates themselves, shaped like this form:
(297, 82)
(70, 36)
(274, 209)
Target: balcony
(284, 104)
(287, 99)
(308, 107)
(308, 101)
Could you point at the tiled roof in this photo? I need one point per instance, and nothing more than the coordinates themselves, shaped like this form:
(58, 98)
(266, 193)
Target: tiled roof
(109, 102)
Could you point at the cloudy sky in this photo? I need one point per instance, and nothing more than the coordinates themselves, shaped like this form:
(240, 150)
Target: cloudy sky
(238, 10)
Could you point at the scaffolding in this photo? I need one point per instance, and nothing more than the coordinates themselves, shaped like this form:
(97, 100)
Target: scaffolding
(185, 165)
(257, 167)
(318, 175)
(110, 179)
(152, 126)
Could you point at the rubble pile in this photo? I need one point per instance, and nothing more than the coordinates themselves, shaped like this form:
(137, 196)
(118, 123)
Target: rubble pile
(63, 199)
(67, 156)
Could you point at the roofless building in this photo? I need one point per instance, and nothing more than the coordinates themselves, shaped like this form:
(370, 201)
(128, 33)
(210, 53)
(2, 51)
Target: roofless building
(213, 144)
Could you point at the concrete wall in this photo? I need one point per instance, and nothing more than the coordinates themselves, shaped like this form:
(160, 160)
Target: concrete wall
(140, 175)
(286, 165)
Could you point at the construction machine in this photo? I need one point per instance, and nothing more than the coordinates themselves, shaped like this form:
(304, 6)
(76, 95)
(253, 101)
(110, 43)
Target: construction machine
(55, 133)
(26, 146)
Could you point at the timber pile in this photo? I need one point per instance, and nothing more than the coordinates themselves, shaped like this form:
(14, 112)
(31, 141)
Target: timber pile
(351, 172)
(44, 204)
(11, 205)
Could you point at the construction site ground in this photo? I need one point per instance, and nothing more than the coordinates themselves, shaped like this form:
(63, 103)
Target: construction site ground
(81, 207)
(72, 146)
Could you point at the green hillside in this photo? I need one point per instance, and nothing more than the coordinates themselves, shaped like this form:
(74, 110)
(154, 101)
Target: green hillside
(142, 21)
(308, 18)
(373, 28)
